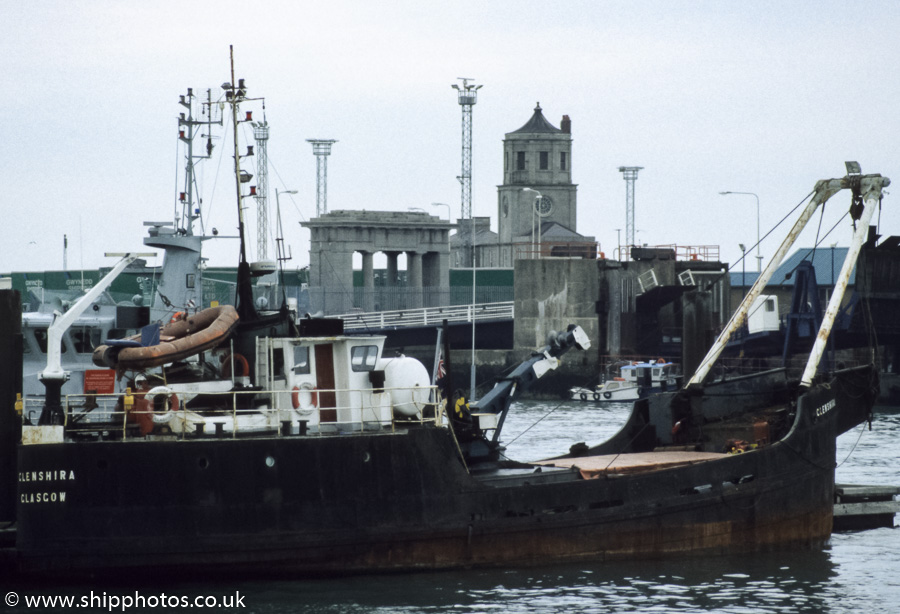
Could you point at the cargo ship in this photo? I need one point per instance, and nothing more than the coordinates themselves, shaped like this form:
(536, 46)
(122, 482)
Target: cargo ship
(292, 448)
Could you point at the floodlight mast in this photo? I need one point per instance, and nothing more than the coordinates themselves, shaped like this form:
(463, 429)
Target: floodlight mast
(629, 174)
(261, 134)
(467, 96)
(321, 149)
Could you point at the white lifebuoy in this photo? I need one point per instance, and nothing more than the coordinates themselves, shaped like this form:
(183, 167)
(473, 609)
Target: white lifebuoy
(305, 397)
(170, 403)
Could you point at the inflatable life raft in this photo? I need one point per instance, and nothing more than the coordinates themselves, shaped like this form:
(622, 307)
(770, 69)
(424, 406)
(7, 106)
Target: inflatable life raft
(178, 340)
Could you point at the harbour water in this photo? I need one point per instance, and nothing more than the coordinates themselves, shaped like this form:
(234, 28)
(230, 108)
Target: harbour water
(855, 572)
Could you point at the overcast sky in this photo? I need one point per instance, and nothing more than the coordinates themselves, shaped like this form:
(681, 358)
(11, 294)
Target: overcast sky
(763, 97)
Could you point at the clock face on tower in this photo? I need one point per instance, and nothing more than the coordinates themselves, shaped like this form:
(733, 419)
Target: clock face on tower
(543, 206)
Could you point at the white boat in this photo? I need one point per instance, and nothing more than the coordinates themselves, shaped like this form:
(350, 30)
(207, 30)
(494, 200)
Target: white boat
(635, 380)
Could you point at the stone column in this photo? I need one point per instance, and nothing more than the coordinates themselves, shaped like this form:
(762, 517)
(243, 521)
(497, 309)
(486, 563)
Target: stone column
(368, 273)
(335, 279)
(391, 281)
(435, 279)
(414, 279)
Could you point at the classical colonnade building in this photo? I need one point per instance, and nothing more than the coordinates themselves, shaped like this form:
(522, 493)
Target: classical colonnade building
(337, 235)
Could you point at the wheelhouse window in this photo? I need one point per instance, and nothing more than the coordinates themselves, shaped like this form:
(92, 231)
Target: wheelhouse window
(40, 335)
(301, 360)
(278, 364)
(85, 339)
(363, 357)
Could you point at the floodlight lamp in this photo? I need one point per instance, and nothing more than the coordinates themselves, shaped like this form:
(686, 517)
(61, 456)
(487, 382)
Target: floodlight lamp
(853, 168)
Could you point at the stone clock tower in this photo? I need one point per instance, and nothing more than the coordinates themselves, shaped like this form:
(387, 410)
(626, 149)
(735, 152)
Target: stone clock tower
(538, 156)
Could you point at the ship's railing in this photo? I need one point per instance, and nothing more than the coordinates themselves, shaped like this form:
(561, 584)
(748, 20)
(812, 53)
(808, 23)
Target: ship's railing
(239, 413)
(432, 316)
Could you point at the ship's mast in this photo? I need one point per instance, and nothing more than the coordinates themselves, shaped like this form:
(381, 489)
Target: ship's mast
(180, 285)
(235, 94)
(187, 131)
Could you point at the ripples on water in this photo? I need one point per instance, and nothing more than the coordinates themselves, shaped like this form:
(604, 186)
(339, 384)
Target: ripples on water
(857, 572)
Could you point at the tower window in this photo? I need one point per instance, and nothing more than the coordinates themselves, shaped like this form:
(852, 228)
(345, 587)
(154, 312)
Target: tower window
(520, 161)
(545, 160)
(562, 161)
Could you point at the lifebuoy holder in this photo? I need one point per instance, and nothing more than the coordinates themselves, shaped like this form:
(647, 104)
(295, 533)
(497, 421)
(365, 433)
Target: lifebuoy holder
(305, 397)
(170, 403)
(240, 365)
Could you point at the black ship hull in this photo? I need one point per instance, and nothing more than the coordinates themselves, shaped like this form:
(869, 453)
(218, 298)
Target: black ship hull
(405, 501)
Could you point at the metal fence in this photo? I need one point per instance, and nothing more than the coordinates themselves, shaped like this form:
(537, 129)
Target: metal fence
(432, 316)
(393, 299)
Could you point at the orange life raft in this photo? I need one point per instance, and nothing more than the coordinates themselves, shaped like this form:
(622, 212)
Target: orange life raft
(178, 340)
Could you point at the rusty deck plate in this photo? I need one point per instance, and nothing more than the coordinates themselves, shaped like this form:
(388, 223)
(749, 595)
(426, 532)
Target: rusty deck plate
(595, 466)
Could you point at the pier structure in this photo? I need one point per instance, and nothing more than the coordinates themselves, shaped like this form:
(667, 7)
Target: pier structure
(336, 236)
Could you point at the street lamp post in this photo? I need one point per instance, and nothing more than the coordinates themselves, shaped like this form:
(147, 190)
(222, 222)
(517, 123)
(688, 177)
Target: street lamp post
(280, 256)
(759, 258)
(743, 269)
(280, 250)
(534, 206)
